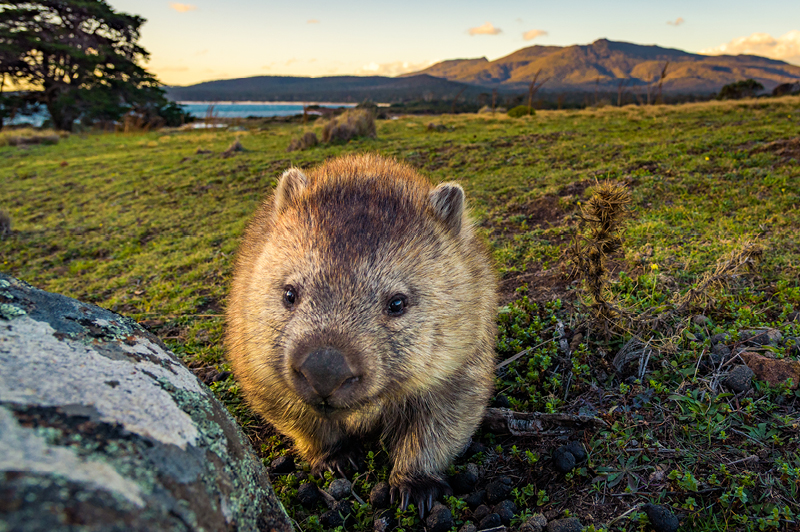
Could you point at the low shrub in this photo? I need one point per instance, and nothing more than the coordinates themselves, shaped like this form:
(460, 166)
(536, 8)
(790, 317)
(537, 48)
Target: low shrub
(352, 124)
(521, 110)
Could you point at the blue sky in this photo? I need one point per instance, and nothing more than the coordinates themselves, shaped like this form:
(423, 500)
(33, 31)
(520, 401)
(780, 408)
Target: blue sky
(199, 40)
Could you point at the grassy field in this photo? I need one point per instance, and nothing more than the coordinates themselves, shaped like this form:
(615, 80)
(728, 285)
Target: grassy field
(147, 224)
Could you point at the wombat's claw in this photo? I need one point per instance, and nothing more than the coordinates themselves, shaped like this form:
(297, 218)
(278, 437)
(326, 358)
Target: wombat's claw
(337, 463)
(424, 491)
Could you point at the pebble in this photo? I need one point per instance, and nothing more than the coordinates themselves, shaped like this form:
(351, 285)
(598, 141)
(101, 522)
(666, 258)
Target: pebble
(331, 519)
(501, 401)
(570, 524)
(720, 352)
(536, 523)
(339, 488)
(563, 460)
(762, 336)
(379, 495)
(506, 510)
(440, 519)
(308, 494)
(282, 465)
(499, 489)
(490, 521)
(661, 518)
(468, 527)
(466, 480)
(739, 379)
(720, 338)
(474, 448)
(480, 512)
(577, 450)
(475, 499)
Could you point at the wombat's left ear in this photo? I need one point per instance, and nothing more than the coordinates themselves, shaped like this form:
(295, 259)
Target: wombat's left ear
(292, 183)
(447, 201)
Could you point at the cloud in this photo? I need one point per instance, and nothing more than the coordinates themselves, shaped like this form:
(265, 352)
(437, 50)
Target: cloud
(312, 21)
(290, 61)
(201, 52)
(392, 69)
(532, 34)
(785, 48)
(487, 29)
(677, 22)
(182, 8)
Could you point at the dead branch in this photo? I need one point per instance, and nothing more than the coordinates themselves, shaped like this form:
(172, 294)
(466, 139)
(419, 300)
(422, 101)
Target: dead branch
(504, 421)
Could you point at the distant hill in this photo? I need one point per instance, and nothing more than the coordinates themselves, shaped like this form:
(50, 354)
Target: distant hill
(605, 64)
(331, 89)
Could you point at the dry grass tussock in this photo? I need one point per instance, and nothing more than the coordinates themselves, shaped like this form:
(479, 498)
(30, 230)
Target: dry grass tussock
(352, 124)
(25, 136)
(650, 328)
(308, 140)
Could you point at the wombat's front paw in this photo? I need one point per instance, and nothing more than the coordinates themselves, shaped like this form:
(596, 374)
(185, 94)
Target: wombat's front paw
(338, 461)
(422, 490)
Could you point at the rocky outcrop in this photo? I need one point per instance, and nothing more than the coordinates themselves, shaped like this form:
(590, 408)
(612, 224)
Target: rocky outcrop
(102, 428)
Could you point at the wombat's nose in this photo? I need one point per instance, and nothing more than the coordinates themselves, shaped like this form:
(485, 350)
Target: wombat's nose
(325, 370)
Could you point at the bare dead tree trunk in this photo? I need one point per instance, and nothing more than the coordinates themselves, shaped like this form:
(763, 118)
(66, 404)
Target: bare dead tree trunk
(621, 91)
(661, 81)
(533, 89)
(453, 108)
(494, 99)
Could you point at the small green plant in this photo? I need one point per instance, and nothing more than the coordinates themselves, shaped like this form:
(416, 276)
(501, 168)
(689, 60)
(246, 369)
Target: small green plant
(520, 111)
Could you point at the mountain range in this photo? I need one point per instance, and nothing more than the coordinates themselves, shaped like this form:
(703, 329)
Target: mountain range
(600, 66)
(607, 63)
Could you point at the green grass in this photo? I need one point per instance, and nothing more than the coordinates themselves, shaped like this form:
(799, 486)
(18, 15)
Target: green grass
(145, 225)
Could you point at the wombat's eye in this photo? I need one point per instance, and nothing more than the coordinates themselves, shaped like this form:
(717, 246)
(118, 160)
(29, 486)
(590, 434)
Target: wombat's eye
(289, 296)
(397, 305)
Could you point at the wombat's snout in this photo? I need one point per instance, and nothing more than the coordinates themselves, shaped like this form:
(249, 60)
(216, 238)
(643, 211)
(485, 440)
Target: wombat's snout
(322, 372)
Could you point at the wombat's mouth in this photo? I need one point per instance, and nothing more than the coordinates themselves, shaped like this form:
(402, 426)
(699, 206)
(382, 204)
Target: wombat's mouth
(326, 410)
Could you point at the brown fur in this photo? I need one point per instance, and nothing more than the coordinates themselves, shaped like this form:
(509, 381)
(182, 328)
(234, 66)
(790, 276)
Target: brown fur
(349, 235)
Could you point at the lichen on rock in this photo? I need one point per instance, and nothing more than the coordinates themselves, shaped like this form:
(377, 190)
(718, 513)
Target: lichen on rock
(102, 428)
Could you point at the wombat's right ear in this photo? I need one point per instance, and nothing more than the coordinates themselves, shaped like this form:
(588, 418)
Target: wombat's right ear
(292, 183)
(447, 201)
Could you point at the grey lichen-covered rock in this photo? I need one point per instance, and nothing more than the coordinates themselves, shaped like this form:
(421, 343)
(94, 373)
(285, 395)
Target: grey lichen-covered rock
(102, 428)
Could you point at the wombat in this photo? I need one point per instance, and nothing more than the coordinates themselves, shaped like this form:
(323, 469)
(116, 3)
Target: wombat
(363, 303)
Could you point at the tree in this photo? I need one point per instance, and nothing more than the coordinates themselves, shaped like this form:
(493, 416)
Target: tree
(747, 88)
(78, 58)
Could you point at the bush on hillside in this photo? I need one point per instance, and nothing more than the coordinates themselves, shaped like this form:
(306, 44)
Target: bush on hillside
(786, 88)
(352, 124)
(521, 110)
(747, 88)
